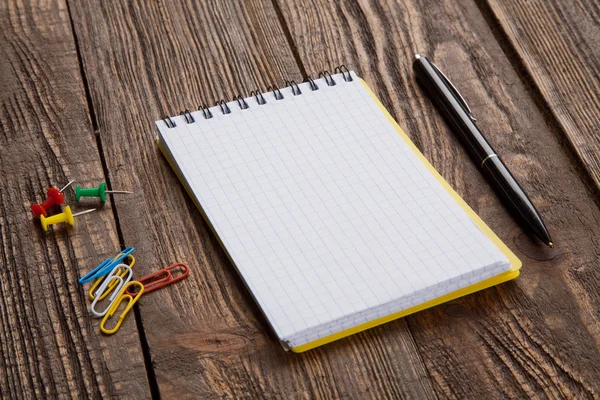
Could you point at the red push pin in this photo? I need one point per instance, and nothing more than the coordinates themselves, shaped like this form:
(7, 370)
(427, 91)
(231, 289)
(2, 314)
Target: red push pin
(55, 197)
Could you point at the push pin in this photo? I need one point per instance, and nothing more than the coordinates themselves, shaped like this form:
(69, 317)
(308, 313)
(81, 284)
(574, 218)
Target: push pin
(55, 197)
(65, 216)
(100, 192)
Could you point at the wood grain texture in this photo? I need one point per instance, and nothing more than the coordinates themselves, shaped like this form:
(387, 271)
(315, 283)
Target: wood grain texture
(205, 335)
(538, 336)
(558, 42)
(50, 347)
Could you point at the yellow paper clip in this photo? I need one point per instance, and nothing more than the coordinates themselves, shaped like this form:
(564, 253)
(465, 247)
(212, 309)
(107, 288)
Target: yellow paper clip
(117, 302)
(113, 284)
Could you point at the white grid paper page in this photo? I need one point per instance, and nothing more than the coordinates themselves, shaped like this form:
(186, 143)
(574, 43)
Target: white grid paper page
(327, 213)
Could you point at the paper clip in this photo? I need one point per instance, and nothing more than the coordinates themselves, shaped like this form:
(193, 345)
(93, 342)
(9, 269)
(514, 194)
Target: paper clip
(161, 278)
(113, 275)
(113, 284)
(113, 308)
(105, 266)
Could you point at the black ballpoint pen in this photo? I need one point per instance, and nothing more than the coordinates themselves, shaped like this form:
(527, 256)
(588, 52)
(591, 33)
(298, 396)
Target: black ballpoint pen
(458, 115)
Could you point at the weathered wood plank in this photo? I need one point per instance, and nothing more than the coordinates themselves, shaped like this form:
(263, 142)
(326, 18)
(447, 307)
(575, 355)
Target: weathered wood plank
(558, 42)
(49, 345)
(538, 335)
(206, 336)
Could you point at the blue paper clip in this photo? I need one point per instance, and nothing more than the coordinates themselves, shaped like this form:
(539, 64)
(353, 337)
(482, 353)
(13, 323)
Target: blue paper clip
(105, 266)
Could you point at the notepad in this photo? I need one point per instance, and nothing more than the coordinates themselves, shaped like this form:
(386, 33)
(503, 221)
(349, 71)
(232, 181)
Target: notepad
(332, 217)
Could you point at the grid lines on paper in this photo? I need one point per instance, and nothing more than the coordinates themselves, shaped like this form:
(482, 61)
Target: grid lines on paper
(323, 207)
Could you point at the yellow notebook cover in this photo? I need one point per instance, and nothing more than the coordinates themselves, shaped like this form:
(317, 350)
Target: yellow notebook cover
(503, 277)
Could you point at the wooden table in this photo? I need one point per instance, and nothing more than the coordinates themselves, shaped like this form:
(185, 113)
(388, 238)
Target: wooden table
(83, 81)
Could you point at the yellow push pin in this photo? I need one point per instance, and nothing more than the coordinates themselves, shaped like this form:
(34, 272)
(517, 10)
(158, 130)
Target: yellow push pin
(65, 216)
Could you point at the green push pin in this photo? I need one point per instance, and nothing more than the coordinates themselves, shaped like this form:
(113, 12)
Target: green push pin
(100, 192)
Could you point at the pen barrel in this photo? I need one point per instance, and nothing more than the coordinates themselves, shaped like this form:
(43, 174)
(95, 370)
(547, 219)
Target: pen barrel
(451, 109)
(448, 101)
(514, 197)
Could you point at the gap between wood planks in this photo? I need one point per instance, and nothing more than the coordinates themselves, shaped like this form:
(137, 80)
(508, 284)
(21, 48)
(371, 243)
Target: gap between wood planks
(290, 40)
(153, 383)
(541, 101)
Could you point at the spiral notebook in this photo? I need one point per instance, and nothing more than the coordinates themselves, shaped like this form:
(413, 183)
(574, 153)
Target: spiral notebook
(332, 217)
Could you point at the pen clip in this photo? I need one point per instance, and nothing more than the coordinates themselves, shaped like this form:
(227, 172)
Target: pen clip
(455, 90)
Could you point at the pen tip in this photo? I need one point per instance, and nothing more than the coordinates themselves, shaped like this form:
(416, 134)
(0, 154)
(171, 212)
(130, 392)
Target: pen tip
(417, 56)
(550, 244)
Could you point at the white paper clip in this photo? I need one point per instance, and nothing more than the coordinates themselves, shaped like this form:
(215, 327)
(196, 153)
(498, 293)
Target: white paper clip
(114, 274)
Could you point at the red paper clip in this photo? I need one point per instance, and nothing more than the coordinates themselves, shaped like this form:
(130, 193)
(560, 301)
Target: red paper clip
(160, 278)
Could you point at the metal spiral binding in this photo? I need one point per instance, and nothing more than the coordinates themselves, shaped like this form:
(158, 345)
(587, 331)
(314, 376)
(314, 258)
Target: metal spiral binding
(328, 78)
(276, 92)
(241, 102)
(295, 89)
(188, 117)
(205, 111)
(224, 107)
(169, 122)
(344, 71)
(260, 99)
